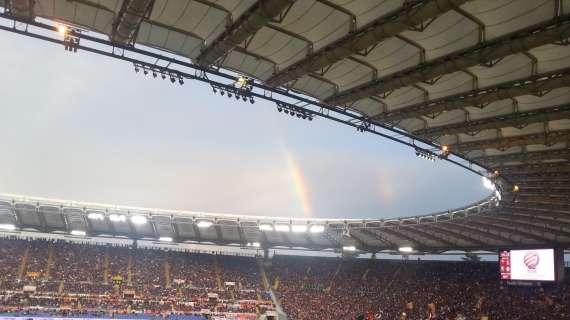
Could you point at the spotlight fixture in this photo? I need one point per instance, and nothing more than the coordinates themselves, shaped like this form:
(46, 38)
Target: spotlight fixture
(516, 188)
(266, 227)
(229, 94)
(317, 228)
(279, 109)
(137, 69)
(95, 216)
(488, 184)
(154, 74)
(251, 100)
(286, 111)
(138, 219)
(145, 71)
(180, 80)
(424, 154)
(406, 249)
(7, 226)
(117, 217)
(62, 29)
(244, 98)
(204, 224)
(282, 227)
(172, 79)
(163, 76)
(214, 89)
(222, 92)
(299, 228)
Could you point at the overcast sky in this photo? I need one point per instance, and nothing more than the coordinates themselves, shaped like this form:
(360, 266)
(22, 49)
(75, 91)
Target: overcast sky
(88, 128)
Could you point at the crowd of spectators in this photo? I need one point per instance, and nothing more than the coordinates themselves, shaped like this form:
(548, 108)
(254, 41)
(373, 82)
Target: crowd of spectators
(311, 288)
(61, 277)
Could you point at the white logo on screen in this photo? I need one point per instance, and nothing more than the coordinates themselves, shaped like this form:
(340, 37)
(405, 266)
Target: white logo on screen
(531, 261)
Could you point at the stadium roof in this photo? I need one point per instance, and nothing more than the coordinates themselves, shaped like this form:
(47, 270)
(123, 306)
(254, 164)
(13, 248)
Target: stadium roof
(487, 79)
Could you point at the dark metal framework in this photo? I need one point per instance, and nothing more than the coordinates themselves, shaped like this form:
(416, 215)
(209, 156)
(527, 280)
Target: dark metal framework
(557, 29)
(151, 59)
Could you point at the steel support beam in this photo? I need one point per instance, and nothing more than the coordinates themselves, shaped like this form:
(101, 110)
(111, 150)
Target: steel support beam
(411, 232)
(536, 205)
(197, 235)
(509, 229)
(533, 85)
(546, 167)
(412, 14)
(519, 41)
(527, 229)
(561, 184)
(550, 212)
(454, 234)
(21, 8)
(532, 218)
(467, 228)
(219, 233)
(525, 157)
(538, 176)
(389, 244)
(537, 198)
(519, 120)
(402, 236)
(129, 19)
(503, 143)
(243, 28)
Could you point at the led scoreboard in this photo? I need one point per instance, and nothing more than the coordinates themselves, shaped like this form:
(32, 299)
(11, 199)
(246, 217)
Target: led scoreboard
(531, 264)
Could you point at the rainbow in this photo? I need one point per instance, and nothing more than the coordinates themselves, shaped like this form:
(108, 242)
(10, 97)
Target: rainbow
(300, 183)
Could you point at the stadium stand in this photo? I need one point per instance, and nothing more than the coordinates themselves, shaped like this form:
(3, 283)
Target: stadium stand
(85, 280)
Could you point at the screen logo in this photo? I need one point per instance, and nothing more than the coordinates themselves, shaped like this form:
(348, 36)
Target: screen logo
(531, 261)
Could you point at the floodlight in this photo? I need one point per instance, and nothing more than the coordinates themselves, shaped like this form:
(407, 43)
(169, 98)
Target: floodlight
(282, 227)
(204, 224)
(265, 227)
(117, 217)
(62, 29)
(487, 183)
(165, 239)
(406, 249)
(299, 228)
(349, 248)
(95, 216)
(138, 219)
(78, 232)
(7, 226)
(317, 228)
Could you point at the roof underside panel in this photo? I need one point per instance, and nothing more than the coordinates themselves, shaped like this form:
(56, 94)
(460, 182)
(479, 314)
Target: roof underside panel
(488, 78)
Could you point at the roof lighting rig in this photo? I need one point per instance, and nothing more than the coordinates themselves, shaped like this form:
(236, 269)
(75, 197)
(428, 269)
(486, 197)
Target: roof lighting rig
(294, 111)
(70, 41)
(425, 154)
(240, 89)
(164, 72)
